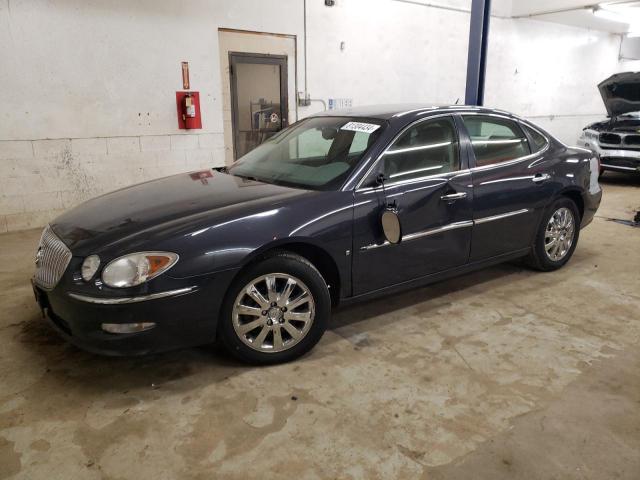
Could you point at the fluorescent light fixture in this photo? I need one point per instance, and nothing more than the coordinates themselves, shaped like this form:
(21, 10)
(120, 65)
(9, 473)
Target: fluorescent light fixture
(609, 15)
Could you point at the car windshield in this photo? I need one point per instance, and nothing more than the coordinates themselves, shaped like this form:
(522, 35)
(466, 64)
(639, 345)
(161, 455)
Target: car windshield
(317, 153)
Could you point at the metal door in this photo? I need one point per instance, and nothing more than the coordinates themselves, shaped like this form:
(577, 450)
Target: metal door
(510, 190)
(435, 212)
(258, 98)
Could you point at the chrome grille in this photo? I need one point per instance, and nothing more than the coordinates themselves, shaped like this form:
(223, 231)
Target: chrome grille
(52, 259)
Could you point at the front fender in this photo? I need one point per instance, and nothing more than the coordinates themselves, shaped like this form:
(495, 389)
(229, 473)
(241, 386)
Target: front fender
(323, 220)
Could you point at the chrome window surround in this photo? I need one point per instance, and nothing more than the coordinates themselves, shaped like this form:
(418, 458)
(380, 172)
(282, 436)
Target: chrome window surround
(448, 227)
(393, 140)
(513, 161)
(124, 300)
(505, 116)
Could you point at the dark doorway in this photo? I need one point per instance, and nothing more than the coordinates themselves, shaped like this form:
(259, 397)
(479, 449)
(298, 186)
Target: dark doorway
(258, 98)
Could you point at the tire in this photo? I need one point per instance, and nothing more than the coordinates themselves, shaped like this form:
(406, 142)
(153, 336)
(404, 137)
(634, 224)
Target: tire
(552, 226)
(256, 331)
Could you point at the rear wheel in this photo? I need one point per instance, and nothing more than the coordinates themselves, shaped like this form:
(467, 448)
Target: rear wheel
(557, 236)
(276, 311)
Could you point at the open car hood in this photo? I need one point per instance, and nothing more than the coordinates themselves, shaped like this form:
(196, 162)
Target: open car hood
(621, 93)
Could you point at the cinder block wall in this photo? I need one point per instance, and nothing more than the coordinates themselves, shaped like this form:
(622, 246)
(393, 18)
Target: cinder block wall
(39, 179)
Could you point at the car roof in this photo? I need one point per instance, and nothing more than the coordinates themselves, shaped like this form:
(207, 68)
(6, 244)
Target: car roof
(386, 112)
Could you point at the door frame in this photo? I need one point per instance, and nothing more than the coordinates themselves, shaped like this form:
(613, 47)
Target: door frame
(381, 194)
(257, 58)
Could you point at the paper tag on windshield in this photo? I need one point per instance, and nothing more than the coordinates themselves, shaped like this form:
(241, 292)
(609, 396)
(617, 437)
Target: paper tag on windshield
(360, 127)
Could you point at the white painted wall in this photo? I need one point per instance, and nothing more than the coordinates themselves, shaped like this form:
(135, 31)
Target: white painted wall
(549, 73)
(87, 86)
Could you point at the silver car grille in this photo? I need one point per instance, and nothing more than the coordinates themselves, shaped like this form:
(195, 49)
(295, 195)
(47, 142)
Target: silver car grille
(52, 259)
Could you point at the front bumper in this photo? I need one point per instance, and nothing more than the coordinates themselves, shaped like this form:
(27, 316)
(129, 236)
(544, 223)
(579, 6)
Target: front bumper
(183, 319)
(617, 160)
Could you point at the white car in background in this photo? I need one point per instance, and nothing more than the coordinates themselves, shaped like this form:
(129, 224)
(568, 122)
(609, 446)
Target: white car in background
(616, 140)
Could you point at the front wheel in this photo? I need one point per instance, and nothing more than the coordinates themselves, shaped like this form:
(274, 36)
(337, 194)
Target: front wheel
(276, 311)
(557, 236)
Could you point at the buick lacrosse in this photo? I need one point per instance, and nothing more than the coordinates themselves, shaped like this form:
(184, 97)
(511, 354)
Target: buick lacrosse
(339, 207)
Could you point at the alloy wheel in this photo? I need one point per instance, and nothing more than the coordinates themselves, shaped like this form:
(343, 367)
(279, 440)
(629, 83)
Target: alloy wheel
(273, 312)
(559, 234)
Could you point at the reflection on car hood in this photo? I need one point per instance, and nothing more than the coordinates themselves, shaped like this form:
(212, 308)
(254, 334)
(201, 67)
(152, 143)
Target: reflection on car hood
(621, 93)
(178, 199)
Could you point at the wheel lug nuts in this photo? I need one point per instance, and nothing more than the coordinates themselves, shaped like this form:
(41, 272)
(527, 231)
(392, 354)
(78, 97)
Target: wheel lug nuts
(264, 312)
(284, 309)
(273, 304)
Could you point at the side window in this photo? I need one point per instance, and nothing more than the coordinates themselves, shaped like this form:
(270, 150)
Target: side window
(495, 140)
(428, 148)
(539, 142)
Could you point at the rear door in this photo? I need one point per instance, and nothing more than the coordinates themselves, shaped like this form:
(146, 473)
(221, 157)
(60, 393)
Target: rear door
(429, 183)
(510, 185)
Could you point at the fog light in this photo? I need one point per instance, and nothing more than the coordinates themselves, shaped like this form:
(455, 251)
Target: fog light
(127, 327)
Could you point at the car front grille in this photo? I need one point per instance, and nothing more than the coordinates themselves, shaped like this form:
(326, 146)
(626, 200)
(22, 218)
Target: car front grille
(610, 138)
(52, 259)
(632, 140)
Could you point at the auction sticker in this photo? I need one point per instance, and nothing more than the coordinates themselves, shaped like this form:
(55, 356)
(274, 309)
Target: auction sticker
(360, 127)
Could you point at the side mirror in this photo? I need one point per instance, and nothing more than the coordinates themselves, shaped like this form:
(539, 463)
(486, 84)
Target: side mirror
(391, 226)
(389, 218)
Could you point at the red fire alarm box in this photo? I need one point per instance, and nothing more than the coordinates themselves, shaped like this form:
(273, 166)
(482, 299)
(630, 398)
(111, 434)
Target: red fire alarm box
(188, 104)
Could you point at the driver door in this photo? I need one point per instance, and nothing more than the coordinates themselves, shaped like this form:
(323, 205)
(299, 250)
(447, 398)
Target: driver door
(428, 182)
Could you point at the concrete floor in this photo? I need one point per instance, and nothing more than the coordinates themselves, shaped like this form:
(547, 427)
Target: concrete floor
(505, 373)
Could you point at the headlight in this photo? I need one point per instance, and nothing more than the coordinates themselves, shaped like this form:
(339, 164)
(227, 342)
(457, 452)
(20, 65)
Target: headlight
(136, 268)
(90, 267)
(590, 134)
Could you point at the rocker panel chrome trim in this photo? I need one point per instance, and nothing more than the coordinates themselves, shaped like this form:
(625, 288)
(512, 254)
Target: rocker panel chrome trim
(492, 218)
(445, 228)
(424, 233)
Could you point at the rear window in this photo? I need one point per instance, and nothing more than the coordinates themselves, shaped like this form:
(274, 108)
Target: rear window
(495, 139)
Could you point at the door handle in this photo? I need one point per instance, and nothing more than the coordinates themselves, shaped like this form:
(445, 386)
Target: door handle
(452, 197)
(540, 177)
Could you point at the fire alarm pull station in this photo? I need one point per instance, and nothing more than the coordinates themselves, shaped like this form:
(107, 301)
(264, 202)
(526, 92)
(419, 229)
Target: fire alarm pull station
(188, 104)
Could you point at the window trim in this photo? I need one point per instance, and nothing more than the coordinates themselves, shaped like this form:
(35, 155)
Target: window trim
(532, 127)
(506, 162)
(374, 164)
(515, 122)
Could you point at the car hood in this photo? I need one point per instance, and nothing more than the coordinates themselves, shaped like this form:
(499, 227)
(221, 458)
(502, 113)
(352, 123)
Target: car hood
(619, 125)
(621, 93)
(145, 210)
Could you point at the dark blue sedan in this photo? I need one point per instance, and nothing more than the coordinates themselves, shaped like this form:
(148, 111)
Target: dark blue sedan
(338, 207)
